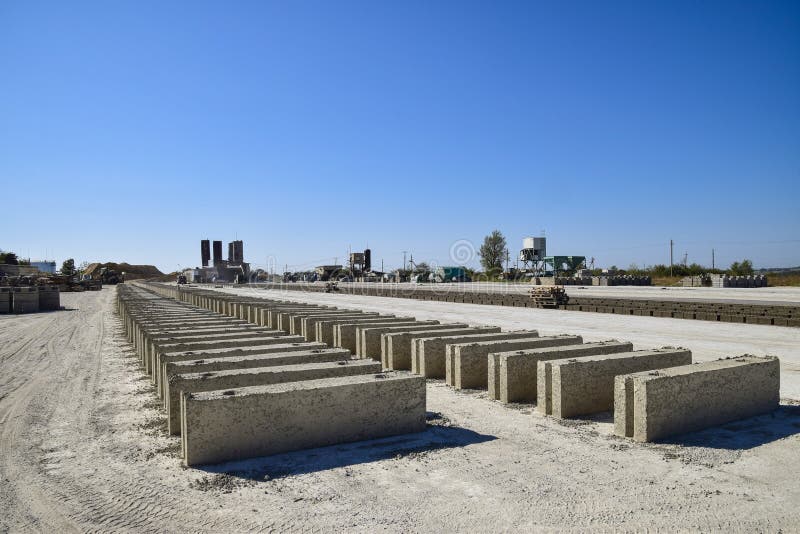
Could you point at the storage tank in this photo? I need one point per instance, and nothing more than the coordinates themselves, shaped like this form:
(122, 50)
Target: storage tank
(367, 260)
(535, 247)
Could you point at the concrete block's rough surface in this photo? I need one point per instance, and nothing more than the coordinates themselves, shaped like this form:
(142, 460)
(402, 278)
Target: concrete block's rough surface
(368, 338)
(164, 358)
(582, 386)
(326, 327)
(657, 404)
(396, 347)
(259, 360)
(345, 333)
(242, 423)
(258, 376)
(309, 324)
(24, 299)
(428, 355)
(5, 299)
(49, 298)
(469, 363)
(515, 372)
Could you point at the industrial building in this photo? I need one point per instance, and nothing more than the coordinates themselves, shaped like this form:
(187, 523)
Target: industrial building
(234, 269)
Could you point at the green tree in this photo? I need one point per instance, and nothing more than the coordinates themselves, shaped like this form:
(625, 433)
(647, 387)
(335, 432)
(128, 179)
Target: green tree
(68, 267)
(421, 267)
(741, 269)
(9, 258)
(493, 252)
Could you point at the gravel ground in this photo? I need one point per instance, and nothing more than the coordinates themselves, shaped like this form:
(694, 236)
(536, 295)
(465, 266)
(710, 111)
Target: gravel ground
(84, 448)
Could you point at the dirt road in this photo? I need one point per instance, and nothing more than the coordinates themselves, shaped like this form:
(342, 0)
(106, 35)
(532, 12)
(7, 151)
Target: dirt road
(84, 449)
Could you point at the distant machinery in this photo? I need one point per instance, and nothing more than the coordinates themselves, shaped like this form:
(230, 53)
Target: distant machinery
(535, 259)
(534, 250)
(360, 263)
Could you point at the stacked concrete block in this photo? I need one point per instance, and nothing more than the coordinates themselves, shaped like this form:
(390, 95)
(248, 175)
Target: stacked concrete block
(325, 328)
(206, 344)
(257, 376)
(585, 385)
(346, 334)
(468, 367)
(298, 415)
(24, 299)
(657, 404)
(397, 347)
(368, 337)
(5, 299)
(429, 355)
(280, 345)
(308, 326)
(514, 376)
(49, 298)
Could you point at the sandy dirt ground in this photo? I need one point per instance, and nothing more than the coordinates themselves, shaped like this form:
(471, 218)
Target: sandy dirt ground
(84, 448)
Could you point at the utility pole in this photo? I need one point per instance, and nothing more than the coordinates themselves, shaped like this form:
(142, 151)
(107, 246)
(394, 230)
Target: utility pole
(404, 259)
(670, 256)
(382, 271)
(508, 260)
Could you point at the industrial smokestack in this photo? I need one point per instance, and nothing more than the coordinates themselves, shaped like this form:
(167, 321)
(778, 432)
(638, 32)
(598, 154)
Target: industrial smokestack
(217, 251)
(205, 252)
(367, 260)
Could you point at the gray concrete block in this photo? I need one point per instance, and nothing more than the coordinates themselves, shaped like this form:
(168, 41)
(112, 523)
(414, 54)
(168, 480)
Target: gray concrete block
(24, 299)
(326, 328)
(469, 368)
(583, 386)
(309, 324)
(219, 426)
(428, 355)
(657, 404)
(345, 333)
(257, 376)
(515, 372)
(285, 344)
(397, 347)
(368, 337)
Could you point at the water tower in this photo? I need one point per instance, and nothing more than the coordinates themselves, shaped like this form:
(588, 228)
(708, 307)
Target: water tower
(534, 250)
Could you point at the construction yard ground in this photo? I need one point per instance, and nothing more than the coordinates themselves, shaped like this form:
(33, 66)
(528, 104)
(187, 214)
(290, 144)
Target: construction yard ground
(84, 445)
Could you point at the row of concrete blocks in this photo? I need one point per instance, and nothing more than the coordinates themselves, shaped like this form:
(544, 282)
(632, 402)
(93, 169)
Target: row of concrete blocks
(29, 299)
(742, 313)
(568, 378)
(234, 390)
(563, 375)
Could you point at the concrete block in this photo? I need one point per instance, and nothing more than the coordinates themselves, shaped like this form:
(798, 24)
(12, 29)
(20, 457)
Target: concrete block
(396, 346)
(5, 299)
(219, 426)
(309, 324)
(285, 344)
(428, 355)
(469, 366)
(515, 372)
(658, 404)
(257, 376)
(583, 386)
(368, 338)
(345, 336)
(49, 298)
(24, 299)
(326, 327)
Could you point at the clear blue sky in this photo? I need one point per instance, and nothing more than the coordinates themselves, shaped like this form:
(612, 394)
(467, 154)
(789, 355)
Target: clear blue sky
(131, 130)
